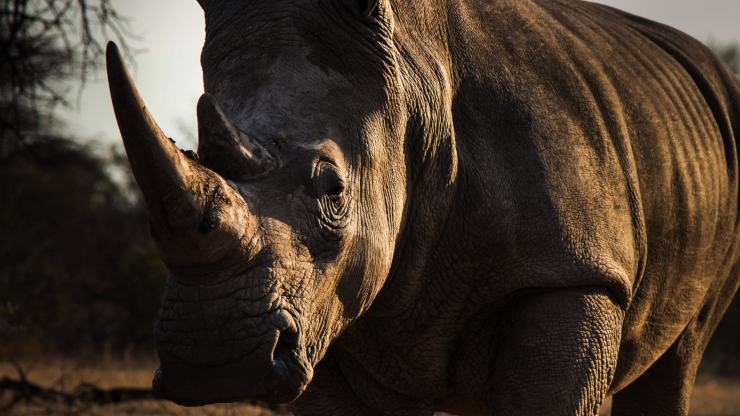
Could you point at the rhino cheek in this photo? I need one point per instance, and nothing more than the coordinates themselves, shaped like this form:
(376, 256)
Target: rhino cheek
(215, 325)
(242, 338)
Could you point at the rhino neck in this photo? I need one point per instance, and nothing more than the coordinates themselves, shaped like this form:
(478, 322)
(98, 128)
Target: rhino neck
(428, 298)
(414, 297)
(431, 161)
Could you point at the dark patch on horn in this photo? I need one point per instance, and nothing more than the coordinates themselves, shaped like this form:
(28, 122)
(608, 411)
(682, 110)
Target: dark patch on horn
(225, 149)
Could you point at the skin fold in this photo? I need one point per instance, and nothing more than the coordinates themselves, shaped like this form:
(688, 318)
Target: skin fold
(508, 207)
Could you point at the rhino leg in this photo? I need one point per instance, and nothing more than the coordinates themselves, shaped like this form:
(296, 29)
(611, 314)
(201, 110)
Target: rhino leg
(329, 394)
(665, 388)
(558, 355)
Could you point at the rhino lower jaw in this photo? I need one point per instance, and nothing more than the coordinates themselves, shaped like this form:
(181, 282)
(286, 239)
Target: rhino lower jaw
(283, 381)
(198, 387)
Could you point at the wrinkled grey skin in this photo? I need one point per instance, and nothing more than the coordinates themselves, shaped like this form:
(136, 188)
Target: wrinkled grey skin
(501, 207)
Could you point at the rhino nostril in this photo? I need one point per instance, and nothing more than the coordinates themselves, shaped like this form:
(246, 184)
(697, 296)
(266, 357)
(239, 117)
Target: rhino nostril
(287, 338)
(287, 343)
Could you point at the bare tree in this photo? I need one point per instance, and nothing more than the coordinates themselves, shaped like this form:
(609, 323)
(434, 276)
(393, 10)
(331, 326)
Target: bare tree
(57, 195)
(42, 43)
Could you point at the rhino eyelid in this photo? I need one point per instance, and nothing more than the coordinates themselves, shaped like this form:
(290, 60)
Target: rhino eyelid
(321, 164)
(326, 167)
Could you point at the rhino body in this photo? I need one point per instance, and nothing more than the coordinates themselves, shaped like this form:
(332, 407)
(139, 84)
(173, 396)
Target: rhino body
(501, 207)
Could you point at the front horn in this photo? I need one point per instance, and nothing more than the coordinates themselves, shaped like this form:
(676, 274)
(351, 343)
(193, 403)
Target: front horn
(199, 222)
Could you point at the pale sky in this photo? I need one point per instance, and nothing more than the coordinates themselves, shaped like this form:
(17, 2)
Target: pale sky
(168, 69)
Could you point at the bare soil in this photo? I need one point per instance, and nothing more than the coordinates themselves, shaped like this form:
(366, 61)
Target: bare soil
(712, 396)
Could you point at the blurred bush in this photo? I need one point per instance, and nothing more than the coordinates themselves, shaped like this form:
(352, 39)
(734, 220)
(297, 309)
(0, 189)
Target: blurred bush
(78, 268)
(730, 54)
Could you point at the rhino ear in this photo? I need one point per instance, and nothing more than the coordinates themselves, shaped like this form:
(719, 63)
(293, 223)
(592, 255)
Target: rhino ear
(370, 8)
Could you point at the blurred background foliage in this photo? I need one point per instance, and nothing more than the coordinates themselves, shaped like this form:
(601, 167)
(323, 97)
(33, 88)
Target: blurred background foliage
(729, 52)
(78, 271)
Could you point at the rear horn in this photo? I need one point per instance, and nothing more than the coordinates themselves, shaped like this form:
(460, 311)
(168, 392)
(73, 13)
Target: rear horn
(225, 149)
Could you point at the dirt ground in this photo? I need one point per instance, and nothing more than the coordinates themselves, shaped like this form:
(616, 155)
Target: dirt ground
(712, 396)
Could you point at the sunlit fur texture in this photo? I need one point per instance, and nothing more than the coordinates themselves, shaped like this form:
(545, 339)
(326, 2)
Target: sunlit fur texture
(538, 206)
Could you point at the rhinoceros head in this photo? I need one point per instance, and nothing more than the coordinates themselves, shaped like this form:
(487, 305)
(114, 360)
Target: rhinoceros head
(280, 231)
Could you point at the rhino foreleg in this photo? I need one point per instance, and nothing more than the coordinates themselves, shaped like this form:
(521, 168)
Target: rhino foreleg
(665, 388)
(329, 394)
(557, 353)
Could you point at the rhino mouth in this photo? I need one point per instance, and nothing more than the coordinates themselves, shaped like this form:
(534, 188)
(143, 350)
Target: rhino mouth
(230, 341)
(276, 372)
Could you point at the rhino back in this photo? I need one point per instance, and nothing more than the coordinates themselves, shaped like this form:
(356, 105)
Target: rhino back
(599, 149)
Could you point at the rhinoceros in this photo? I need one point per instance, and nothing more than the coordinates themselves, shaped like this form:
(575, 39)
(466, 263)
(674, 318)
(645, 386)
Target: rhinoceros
(509, 207)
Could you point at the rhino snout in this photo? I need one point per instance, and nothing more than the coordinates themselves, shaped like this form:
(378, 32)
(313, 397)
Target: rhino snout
(223, 351)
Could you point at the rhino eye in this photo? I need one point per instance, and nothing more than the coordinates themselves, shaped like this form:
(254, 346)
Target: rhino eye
(332, 196)
(335, 191)
(327, 180)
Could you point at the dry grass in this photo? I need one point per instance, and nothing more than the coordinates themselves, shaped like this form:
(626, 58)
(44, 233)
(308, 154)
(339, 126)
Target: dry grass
(144, 408)
(67, 374)
(715, 396)
(712, 396)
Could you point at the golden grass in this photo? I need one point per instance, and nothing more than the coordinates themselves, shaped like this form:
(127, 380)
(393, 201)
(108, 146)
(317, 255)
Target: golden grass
(716, 396)
(712, 396)
(67, 374)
